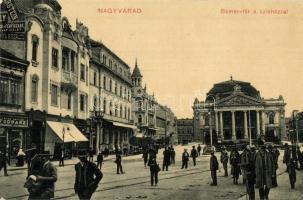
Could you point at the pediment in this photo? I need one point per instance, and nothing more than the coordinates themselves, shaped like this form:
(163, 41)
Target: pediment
(239, 100)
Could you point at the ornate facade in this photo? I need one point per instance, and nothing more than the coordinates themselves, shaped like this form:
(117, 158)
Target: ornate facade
(234, 111)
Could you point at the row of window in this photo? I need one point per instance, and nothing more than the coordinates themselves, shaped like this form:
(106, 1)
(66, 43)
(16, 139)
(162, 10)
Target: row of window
(117, 111)
(114, 66)
(10, 91)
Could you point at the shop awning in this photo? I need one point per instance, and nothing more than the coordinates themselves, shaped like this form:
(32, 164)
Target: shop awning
(67, 132)
(124, 125)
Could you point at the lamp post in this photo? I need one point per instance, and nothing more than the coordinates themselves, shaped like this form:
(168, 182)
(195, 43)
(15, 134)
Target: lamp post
(97, 116)
(63, 137)
(209, 113)
(295, 128)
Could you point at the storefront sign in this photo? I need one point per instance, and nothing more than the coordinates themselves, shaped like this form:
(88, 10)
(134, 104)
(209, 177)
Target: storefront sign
(12, 31)
(10, 6)
(10, 121)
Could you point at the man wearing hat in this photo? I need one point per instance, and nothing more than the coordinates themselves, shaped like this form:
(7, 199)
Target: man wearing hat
(224, 160)
(194, 154)
(45, 175)
(87, 178)
(185, 158)
(214, 166)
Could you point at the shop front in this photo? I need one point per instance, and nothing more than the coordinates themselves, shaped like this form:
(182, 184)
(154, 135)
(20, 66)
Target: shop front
(13, 134)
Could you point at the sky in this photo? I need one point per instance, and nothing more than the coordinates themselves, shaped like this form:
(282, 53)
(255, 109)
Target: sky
(184, 47)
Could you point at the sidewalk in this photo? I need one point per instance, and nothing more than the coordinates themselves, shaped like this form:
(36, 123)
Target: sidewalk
(283, 191)
(74, 160)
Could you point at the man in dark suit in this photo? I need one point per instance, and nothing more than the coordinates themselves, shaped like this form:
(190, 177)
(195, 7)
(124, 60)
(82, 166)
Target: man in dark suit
(88, 177)
(3, 162)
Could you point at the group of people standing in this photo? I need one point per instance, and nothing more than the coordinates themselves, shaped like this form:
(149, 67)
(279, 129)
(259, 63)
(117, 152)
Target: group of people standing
(258, 167)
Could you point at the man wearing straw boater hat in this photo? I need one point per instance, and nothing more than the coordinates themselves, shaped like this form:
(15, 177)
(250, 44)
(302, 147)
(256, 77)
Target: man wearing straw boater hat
(87, 177)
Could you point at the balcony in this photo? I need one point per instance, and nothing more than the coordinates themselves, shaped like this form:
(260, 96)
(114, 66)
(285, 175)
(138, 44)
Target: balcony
(69, 80)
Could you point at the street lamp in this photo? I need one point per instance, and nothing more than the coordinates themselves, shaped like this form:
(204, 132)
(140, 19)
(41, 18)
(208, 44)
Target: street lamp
(209, 113)
(295, 123)
(97, 116)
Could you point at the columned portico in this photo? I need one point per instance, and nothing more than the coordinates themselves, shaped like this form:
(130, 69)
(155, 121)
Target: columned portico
(245, 125)
(221, 126)
(240, 114)
(233, 125)
(258, 122)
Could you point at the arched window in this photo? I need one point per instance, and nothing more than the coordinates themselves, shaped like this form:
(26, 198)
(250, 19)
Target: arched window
(271, 118)
(35, 43)
(34, 92)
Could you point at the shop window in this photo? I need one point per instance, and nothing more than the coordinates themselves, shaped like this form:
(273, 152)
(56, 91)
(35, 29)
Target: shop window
(35, 43)
(34, 88)
(54, 95)
(55, 57)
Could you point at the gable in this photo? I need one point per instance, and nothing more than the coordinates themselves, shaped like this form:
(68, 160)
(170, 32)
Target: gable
(239, 100)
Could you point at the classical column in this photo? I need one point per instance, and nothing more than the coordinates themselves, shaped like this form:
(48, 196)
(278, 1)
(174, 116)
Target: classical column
(245, 125)
(233, 125)
(216, 121)
(258, 122)
(263, 122)
(221, 125)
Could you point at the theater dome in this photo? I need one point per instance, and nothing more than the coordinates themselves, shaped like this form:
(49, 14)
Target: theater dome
(226, 88)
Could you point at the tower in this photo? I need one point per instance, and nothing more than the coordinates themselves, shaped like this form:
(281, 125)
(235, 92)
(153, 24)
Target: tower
(136, 76)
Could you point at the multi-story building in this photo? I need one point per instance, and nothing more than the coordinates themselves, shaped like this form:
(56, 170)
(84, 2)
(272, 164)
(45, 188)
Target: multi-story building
(144, 105)
(185, 130)
(234, 111)
(295, 126)
(14, 122)
(166, 124)
(110, 91)
(57, 81)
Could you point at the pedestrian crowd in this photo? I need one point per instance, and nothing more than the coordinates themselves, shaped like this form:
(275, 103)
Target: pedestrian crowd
(258, 167)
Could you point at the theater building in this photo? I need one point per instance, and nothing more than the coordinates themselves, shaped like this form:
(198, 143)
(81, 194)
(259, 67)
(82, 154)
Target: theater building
(235, 112)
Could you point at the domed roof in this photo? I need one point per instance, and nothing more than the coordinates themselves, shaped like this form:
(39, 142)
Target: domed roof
(226, 88)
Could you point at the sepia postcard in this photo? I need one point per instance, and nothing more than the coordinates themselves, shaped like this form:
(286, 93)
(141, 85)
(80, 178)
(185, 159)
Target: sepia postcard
(151, 99)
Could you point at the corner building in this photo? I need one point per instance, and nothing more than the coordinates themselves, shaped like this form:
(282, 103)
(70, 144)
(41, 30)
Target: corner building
(235, 112)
